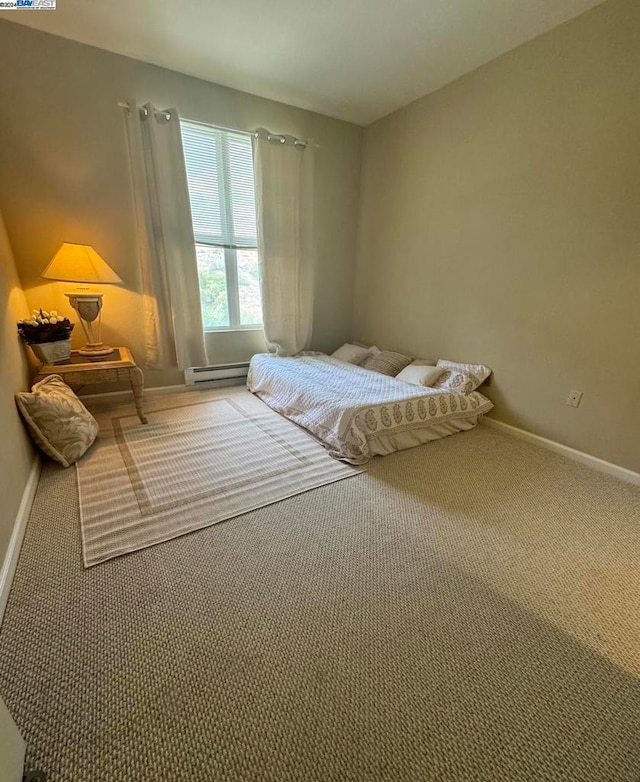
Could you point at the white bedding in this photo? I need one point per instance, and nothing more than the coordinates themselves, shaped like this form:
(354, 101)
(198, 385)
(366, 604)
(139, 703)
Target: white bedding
(357, 413)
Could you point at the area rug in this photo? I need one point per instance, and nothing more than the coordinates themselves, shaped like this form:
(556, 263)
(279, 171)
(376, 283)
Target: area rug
(197, 461)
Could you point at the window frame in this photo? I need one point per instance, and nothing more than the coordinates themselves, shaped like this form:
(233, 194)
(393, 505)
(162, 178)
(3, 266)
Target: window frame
(230, 251)
(231, 281)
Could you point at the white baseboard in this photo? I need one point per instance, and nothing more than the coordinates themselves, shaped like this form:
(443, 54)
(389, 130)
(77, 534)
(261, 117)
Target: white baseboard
(15, 543)
(571, 453)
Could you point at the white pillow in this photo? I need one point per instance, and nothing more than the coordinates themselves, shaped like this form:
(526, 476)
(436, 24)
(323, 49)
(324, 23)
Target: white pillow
(354, 354)
(420, 374)
(463, 378)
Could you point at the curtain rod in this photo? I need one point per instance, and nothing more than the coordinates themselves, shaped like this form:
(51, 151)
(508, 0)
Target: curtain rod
(297, 142)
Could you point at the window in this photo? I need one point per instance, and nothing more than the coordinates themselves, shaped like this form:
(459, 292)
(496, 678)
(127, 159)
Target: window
(220, 177)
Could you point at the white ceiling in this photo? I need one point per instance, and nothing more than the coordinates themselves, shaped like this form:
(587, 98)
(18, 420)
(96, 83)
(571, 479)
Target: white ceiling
(353, 59)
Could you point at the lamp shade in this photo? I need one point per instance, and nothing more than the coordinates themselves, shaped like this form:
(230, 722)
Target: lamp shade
(80, 263)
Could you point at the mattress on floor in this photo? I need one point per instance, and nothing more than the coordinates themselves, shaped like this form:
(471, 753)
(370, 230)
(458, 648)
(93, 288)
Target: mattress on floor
(357, 413)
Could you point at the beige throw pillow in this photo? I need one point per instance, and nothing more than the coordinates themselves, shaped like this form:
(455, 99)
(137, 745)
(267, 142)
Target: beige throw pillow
(420, 374)
(58, 421)
(352, 353)
(386, 362)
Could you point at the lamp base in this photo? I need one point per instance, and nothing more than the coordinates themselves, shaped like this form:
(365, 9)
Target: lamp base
(95, 351)
(88, 305)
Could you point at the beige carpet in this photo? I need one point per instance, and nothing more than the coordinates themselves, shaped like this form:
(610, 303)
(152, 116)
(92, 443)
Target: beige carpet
(468, 610)
(202, 458)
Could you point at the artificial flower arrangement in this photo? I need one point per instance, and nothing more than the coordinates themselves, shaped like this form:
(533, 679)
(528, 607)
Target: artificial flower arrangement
(44, 326)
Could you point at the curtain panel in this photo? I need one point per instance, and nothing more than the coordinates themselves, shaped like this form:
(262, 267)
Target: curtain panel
(283, 176)
(170, 289)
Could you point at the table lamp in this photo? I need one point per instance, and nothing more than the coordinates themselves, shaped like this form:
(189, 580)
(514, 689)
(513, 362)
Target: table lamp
(81, 263)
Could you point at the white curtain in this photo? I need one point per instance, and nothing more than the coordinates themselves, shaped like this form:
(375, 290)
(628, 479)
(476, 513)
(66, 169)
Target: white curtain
(171, 296)
(284, 192)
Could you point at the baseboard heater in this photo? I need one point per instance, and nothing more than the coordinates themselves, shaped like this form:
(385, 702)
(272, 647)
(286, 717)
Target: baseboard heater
(219, 375)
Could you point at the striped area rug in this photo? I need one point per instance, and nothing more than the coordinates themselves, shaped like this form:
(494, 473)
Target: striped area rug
(202, 458)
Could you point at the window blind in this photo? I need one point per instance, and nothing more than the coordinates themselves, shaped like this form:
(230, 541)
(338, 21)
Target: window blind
(219, 167)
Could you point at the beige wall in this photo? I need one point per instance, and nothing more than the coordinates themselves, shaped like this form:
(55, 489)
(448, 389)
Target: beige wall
(65, 176)
(16, 453)
(500, 223)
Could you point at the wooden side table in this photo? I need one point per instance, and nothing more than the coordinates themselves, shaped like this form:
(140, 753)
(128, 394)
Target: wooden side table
(79, 371)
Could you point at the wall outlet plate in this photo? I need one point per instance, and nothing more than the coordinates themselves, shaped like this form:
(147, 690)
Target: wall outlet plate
(574, 398)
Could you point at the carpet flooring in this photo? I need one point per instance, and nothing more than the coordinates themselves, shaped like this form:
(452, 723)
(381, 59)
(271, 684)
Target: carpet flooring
(467, 610)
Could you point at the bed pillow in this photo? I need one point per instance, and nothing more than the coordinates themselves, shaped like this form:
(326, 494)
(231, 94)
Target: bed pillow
(58, 421)
(461, 378)
(353, 354)
(386, 362)
(420, 374)
(371, 348)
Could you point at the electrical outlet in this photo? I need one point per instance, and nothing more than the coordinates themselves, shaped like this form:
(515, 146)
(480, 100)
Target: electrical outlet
(574, 398)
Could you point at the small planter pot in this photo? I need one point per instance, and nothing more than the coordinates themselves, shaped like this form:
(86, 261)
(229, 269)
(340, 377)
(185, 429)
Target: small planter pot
(52, 352)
